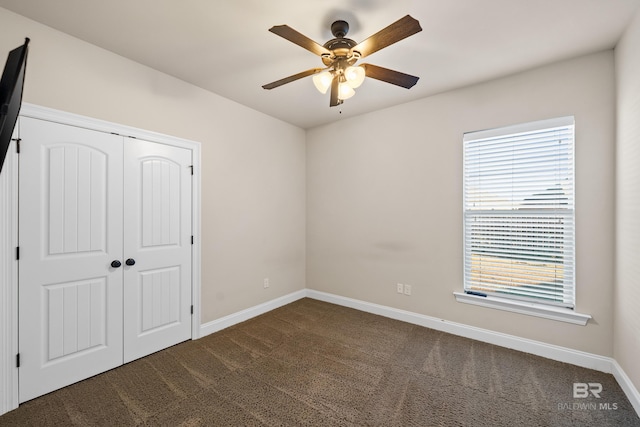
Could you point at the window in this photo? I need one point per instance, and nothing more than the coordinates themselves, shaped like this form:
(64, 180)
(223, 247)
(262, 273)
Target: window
(519, 233)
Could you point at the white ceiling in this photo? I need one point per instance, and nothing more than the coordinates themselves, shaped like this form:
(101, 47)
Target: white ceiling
(224, 46)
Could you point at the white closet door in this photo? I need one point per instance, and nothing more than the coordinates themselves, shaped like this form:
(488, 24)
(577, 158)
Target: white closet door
(157, 237)
(70, 308)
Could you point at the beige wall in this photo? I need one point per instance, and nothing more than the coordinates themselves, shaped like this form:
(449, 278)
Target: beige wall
(384, 200)
(253, 166)
(627, 295)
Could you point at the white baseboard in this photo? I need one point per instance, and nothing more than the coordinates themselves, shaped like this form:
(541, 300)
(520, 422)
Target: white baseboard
(241, 316)
(549, 351)
(627, 386)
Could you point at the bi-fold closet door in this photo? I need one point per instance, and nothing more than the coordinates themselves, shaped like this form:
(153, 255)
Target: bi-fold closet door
(105, 252)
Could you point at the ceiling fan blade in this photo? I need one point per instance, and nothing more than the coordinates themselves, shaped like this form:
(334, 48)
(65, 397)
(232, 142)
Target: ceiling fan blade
(401, 29)
(335, 84)
(390, 76)
(300, 39)
(291, 78)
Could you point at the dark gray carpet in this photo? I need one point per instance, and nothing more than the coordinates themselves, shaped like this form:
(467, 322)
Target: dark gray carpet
(313, 363)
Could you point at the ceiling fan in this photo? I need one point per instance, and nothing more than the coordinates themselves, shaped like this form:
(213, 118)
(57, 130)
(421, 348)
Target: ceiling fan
(340, 54)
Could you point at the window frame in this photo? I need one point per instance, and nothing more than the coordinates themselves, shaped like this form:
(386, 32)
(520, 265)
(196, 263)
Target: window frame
(564, 310)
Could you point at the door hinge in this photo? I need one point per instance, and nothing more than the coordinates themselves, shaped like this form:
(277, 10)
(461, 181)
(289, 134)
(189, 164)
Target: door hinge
(17, 140)
(17, 253)
(191, 309)
(191, 169)
(18, 360)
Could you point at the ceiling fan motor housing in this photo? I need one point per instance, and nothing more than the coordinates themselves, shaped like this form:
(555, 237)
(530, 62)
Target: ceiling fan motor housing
(340, 46)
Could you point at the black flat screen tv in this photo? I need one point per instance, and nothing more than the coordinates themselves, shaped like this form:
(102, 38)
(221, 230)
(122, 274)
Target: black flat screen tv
(11, 87)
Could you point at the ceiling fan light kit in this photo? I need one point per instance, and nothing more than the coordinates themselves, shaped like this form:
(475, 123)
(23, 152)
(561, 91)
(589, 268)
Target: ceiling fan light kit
(354, 76)
(322, 80)
(345, 91)
(340, 54)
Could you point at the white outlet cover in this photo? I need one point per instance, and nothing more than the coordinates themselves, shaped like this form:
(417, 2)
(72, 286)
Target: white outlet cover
(407, 289)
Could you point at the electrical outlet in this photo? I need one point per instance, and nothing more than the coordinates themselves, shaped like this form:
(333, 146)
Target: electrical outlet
(266, 282)
(407, 289)
(400, 288)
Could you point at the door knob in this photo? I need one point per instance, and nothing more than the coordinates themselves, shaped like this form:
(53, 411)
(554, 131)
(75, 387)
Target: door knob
(116, 264)
(130, 261)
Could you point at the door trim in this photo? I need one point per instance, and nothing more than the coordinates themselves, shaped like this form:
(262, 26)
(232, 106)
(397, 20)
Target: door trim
(9, 224)
(9, 281)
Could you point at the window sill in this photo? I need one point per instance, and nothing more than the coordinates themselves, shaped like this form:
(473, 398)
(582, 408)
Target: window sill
(531, 309)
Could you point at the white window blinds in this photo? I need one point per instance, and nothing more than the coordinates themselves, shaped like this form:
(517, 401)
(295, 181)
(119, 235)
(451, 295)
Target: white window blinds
(519, 232)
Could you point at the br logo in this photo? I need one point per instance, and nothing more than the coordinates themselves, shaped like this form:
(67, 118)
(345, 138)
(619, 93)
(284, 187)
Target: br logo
(582, 390)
